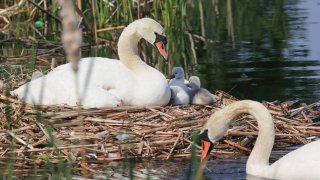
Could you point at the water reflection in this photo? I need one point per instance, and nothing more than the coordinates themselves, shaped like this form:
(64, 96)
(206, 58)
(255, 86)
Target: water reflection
(225, 168)
(216, 168)
(275, 55)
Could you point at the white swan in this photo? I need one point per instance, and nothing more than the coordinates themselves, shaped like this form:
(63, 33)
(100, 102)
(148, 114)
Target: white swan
(302, 163)
(104, 82)
(200, 95)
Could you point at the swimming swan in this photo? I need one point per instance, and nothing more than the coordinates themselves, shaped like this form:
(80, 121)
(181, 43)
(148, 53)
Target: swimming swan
(200, 95)
(104, 82)
(302, 163)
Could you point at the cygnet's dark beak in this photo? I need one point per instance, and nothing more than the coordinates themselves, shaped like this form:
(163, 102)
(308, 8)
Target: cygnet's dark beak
(172, 76)
(160, 43)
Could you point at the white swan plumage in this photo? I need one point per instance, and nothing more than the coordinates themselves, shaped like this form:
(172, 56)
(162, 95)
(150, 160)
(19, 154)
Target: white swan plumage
(302, 163)
(104, 82)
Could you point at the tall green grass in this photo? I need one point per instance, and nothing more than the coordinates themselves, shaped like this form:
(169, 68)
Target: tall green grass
(172, 14)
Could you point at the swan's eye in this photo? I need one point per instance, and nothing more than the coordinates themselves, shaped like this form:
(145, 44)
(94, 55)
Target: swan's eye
(165, 41)
(203, 136)
(160, 38)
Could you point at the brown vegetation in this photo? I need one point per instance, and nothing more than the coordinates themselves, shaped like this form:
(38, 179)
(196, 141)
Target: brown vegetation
(100, 135)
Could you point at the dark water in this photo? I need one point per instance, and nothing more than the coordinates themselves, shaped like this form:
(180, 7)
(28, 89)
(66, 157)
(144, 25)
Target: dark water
(230, 168)
(275, 54)
(217, 168)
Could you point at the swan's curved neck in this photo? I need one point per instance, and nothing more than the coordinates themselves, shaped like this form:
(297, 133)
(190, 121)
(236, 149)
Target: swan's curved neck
(260, 154)
(128, 47)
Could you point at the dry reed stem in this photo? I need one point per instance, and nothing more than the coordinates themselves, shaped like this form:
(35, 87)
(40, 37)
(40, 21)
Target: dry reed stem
(71, 33)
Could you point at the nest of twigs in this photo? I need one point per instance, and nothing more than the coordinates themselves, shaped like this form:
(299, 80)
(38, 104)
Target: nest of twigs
(36, 135)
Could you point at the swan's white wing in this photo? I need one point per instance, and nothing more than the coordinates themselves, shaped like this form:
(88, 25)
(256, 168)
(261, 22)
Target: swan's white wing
(97, 77)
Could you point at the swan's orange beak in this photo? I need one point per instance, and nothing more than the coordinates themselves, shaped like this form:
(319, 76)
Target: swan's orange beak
(160, 47)
(206, 149)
